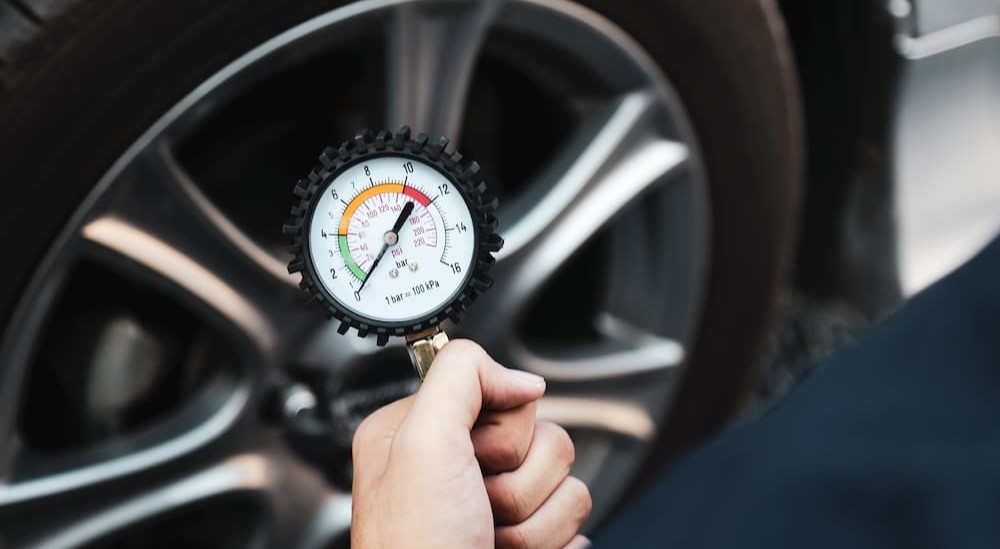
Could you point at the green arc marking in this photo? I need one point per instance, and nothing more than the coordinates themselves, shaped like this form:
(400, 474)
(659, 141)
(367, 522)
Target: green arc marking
(351, 264)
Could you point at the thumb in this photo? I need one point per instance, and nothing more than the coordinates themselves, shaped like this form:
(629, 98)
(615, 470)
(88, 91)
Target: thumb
(464, 380)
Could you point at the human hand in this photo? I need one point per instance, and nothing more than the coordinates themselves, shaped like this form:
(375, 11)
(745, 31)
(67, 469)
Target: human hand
(463, 463)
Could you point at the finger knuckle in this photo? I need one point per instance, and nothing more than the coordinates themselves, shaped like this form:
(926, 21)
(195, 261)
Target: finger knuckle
(582, 502)
(463, 349)
(563, 448)
(514, 537)
(500, 448)
(512, 452)
(508, 500)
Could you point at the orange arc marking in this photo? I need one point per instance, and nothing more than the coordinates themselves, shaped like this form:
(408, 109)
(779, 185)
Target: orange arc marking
(379, 189)
(360, 199)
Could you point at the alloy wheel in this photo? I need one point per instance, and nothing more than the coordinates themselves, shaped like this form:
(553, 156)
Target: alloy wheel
(165, 312)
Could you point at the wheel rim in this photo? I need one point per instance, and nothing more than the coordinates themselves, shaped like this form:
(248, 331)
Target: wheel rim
(615, 217)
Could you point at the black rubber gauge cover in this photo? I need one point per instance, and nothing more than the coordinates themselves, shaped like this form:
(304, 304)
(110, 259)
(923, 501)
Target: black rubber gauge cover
(464, 176)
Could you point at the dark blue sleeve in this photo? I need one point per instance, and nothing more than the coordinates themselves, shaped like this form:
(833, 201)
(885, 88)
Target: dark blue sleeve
(893, 442)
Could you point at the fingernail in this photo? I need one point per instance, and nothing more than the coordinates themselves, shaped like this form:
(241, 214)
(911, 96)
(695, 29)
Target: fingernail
(527, 378)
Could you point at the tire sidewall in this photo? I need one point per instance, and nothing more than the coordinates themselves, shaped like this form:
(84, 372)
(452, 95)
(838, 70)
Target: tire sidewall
(732, 68)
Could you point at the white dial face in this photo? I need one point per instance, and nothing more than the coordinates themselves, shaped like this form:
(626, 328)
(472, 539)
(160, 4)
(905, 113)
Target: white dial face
(391, 239)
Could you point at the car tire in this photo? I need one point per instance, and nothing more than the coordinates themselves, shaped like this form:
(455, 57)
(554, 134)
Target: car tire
(82, 80)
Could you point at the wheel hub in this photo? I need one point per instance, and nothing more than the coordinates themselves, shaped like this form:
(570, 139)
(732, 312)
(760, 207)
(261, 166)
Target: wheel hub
(321, 408)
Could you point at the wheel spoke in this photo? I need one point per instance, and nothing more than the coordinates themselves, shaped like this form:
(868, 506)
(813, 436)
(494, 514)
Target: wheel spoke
(330, 525)
(157, 223)
(619, 417)
(209, 417)
(431, 55)
(103, 510)
(617, 156)
(620, 350)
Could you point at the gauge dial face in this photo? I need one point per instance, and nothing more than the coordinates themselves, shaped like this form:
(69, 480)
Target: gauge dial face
(391, 239)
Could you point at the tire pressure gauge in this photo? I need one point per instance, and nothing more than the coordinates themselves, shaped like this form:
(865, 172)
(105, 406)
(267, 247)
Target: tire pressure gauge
(393, 235)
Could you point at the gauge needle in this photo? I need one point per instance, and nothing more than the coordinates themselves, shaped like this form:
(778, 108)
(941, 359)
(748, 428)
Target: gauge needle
(390, 239)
